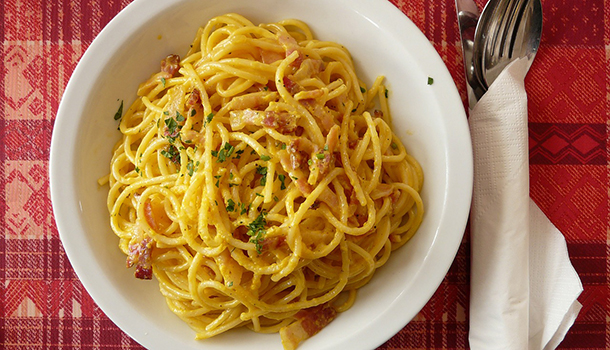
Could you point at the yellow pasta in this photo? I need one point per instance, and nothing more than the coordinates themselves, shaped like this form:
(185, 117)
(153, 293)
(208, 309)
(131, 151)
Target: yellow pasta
(259, 180)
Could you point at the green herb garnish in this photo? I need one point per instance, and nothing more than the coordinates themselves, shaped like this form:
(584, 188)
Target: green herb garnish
(230, 205)
(256, 230)
(119, 112)
(282, 177)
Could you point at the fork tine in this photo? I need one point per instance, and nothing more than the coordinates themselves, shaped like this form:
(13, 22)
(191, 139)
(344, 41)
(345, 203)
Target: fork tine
(498, 32)
(518, 16)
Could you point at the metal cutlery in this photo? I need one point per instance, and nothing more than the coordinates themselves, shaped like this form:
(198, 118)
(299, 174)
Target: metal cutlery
(505, 31)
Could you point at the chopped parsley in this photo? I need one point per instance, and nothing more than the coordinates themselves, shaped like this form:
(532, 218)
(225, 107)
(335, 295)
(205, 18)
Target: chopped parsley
(386, 93)
(320, 155)
(363, 90)
(243, 208)
(225, 152)
(276, 199)
(163, 81)
(173, 129)
(430, 80)
(256, 230)
(209, 118)
(238, 154)
(193, 112)
(190, 167)
(179, 117)
(394, 145)
(265, 157)
(119, 112)
(282, 177)
(171, 153)
(230, 205)
(217, 177)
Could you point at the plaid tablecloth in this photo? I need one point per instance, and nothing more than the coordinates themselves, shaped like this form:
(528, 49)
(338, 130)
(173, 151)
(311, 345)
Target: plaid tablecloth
(44, 306)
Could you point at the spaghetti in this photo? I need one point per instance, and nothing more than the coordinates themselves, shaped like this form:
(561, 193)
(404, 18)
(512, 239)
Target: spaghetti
(253, 182)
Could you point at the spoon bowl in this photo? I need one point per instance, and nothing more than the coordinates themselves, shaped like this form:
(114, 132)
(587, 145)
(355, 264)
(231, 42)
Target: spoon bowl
(507, 30)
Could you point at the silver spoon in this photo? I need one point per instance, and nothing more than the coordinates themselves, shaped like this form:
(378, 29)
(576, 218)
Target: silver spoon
(507, 30)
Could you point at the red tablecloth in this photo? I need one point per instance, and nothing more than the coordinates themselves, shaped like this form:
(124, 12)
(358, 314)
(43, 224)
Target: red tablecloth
(42, 303)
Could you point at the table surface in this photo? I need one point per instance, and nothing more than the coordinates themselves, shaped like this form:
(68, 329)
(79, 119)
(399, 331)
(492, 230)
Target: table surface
(42, 303)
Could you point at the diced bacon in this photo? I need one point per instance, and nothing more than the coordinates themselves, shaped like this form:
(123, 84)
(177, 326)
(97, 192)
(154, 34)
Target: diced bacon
(274, 242)
(299, 131)
(170, 65)
(329, 197)
(155, 215)
(241, 233)
(304, 186)
(193, 103)
(299, 150)
(283, 122)
(269, 57)
(326, 119)
(291, 45)
(395, 196)
(309, 322)
(256, 100)
(308, 69)
(290, 85)
(139, 255)
(332, 139)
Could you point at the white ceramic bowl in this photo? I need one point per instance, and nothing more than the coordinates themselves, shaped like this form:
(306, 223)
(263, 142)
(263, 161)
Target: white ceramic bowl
(429, 119)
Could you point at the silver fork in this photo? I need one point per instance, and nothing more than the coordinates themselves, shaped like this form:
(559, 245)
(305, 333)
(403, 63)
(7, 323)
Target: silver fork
(507, 30)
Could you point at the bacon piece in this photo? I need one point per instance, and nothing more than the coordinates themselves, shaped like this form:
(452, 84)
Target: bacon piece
(283, 122)
(194, 103)
(308, 68)
(139, 255)
(256, 100)
(304, 186)
(290, 85)
(269, 57)
(274, 242)
(331, 143)
(170, 65)
(309, 322)
(299, 150)
(154, 213)
(321, 113)
(291, 45)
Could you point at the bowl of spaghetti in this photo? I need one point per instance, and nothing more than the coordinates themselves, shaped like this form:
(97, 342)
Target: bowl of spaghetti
(239, 175)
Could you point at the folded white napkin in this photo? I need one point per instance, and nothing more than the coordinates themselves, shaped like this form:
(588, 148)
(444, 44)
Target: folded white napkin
(523, 289)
